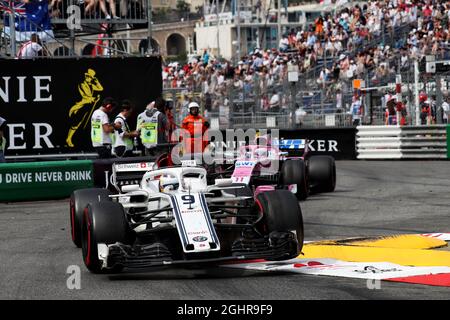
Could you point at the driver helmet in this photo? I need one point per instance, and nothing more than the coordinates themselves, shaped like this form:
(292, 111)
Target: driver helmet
(261, 152)
(168, 183)
(262, 140)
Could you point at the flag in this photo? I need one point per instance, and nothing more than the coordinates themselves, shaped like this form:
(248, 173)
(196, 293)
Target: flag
(8, 6)
(31, 17)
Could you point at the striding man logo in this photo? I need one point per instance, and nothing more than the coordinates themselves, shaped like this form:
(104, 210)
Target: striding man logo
(80, 113)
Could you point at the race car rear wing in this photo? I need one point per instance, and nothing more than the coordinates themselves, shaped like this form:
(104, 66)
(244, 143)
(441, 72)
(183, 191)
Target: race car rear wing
(129, 173)
(294, 147)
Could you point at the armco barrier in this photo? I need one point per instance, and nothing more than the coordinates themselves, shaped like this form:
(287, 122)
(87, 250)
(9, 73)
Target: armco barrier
(412, 142)
(448, 141)
(44, 180)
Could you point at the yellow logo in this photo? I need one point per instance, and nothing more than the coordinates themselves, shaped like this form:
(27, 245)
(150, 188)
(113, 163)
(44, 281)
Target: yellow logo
(80, 113)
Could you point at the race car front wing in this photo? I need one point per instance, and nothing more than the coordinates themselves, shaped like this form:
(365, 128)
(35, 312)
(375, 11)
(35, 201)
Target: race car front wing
(277, 246)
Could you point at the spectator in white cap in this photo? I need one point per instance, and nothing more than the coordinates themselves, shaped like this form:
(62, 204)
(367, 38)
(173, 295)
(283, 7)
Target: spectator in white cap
(275, 102)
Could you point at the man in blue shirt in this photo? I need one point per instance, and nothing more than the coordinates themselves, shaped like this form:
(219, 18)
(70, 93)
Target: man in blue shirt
(205, 57)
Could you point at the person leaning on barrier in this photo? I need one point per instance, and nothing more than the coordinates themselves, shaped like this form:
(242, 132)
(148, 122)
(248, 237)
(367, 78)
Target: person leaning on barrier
(32, 48)
(299, 114)
(425, 112)
(102, 129)
(2, 139)
(123, 142)
(390, 113)
(153, 126)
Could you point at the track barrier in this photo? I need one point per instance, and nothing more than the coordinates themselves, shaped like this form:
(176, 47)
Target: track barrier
(44, 180)
(412, 142)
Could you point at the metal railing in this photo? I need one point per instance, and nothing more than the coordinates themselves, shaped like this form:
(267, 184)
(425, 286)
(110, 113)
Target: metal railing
(102, 11)
(77, 28)
(283, 120)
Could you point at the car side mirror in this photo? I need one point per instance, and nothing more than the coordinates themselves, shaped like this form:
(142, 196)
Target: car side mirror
(130, 188)
(223, 182)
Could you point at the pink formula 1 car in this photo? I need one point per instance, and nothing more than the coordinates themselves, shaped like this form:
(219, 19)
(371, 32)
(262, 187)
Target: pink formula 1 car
(283, 163)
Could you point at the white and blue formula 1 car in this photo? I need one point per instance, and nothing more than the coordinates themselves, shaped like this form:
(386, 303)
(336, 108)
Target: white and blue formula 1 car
(174, 218)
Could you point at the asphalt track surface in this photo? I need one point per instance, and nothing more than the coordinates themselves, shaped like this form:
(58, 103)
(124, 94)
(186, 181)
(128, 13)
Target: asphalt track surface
(372, 198)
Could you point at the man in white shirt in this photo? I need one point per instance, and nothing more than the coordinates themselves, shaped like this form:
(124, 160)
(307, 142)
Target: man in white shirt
(123, 136)
(300, 114)
(102, 129)
(31, 49)
(445, 110)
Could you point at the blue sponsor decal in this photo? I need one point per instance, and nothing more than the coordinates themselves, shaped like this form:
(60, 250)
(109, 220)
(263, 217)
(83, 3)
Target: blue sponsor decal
(244, 163)
(290, 143)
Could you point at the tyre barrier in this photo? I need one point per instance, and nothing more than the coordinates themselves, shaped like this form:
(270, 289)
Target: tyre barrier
(412, 142)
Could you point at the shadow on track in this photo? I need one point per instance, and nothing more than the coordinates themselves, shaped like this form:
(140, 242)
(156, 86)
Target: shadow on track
(208, 273)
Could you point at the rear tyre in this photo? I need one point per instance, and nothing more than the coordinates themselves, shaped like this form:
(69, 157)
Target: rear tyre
(322, 174)
(281, 213)
(103, 222)
(294, 172)
(79, 199)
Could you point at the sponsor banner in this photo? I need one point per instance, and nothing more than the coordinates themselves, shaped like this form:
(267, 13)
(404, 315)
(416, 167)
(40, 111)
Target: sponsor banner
(337, 142)
(338, 268)
(43, 180)
(133, 167)
(48, 103)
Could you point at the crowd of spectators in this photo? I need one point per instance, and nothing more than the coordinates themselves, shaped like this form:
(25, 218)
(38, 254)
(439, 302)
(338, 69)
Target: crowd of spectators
(373, 41)
(422, 27)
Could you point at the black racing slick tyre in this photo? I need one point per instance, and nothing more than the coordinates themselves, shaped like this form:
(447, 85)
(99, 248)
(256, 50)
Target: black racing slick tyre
(79, 199)
(322, 174)
(103, 222)
(281, 212)
(294, 172)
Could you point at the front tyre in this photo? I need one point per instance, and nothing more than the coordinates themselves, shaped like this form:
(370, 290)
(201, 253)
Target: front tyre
(79, 199)
(281, 213)
(103, 222)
